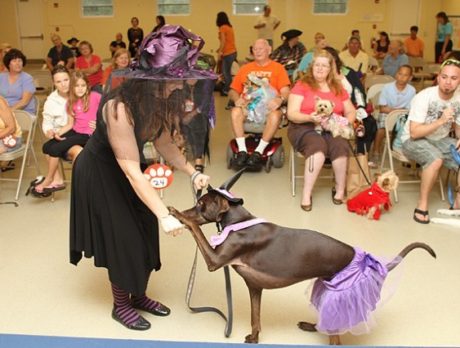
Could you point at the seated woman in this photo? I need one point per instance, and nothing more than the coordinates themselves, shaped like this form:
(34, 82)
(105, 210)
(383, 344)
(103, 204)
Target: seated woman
(17, 86)
(381, 45)
(320, 82)
(71, 116)
(120, 60)
(91, 65)
(10, 132)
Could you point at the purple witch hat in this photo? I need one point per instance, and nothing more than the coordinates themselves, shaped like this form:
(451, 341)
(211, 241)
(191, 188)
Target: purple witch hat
(170, 53)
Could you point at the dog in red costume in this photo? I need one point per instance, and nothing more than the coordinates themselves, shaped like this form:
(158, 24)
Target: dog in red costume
(373, 201)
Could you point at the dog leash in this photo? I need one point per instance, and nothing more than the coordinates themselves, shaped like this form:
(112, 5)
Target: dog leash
(359, 164)
(228, 287)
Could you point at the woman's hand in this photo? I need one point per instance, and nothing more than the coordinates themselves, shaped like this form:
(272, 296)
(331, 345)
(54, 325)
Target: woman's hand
(58, 137)
(316, 118)
(200, 180)
(170, 224)
(92, 125)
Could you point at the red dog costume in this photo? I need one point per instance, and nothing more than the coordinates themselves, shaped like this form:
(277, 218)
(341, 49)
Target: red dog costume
(371, 201)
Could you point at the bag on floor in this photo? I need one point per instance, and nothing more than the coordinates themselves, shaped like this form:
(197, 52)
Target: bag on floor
(358, 174)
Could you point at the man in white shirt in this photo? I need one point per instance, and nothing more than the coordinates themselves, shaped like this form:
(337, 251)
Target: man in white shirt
(354, 57)
(433, 113)
(266, 25)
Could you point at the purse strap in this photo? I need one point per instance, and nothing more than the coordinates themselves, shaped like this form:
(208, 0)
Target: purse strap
(359, 164)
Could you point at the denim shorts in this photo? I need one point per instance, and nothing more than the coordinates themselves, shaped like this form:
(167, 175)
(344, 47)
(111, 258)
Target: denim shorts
(425, 151)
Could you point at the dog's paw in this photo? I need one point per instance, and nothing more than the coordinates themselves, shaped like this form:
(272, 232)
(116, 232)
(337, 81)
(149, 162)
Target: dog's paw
(251, 338)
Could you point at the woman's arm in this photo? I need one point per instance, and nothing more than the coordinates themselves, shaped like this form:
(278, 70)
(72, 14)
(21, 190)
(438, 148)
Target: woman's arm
(294, 114)
(8, 119)
(58, 134)
(220, 50)
(21, 104)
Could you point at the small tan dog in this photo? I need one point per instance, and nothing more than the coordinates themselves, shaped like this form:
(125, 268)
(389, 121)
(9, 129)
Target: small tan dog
(373, 201)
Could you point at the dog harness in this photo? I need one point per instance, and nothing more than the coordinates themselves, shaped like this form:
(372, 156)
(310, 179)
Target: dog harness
(220, 238)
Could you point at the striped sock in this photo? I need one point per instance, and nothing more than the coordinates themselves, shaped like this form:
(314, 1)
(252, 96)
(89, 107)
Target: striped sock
(123, 308)
(144, 302)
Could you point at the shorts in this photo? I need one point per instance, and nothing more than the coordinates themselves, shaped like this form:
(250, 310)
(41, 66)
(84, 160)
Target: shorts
(425, 151)
(307, 141)
(56, 148)
(381, 120)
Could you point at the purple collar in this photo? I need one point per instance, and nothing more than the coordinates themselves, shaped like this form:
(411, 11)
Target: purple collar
(219, 239)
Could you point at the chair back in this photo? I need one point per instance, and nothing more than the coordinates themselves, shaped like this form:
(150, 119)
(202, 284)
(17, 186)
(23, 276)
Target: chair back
(418, 63)
(375, 79)
(390, 122)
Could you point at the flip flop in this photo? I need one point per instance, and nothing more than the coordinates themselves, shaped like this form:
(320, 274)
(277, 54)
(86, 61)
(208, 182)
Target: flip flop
(37, 181)
(53, 188)
(9, 166)
(37, 194)
(421, 212)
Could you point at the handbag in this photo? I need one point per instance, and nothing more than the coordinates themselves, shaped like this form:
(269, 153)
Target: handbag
(358, 174)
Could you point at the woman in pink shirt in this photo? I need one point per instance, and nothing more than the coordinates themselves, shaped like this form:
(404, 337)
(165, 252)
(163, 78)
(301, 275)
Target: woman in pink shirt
(91, 65)
(319, 83)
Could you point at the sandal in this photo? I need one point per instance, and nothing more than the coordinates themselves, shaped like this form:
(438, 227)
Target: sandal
(9, 166)
(37, 181)
(335, 200)
(53, 188)
(421, 212)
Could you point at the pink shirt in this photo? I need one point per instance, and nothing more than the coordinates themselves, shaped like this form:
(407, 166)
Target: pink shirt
(81, 63)
(81, 124)
(309, 98)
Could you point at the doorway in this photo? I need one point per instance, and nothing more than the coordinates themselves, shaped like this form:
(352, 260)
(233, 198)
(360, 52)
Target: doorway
(30, 27)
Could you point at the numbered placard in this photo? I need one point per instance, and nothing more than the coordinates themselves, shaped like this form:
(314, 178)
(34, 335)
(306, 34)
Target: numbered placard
(159, 175)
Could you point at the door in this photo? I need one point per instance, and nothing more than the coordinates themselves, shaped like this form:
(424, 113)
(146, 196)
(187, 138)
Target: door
(30, 23)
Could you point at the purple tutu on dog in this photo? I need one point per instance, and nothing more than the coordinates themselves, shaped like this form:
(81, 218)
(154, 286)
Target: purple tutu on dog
(345, 302)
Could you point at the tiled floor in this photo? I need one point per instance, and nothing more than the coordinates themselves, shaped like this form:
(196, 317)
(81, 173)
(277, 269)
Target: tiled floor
(42, 293)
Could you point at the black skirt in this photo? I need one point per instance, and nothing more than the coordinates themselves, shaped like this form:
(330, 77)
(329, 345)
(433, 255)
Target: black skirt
(109, 222)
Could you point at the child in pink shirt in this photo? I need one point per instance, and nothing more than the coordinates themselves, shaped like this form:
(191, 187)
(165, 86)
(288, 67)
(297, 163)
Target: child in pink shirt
(82, 104)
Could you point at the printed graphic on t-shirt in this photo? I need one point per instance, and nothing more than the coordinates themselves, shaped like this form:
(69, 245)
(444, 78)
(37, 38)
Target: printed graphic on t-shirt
(435, 110)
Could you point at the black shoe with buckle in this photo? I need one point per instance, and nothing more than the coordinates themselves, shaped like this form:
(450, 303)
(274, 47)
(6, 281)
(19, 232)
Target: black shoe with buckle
(241, 159)
(255, 160)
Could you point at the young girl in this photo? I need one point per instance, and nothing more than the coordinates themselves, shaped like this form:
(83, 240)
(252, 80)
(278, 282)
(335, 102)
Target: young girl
(67, 141)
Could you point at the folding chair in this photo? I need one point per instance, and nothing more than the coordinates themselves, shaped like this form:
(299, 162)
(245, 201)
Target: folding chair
(27, 123)
(390, 122)
(375, 79)
(293, 176)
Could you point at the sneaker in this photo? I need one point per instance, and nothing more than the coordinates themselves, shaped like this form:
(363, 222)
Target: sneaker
(241, 159)
(255, 160)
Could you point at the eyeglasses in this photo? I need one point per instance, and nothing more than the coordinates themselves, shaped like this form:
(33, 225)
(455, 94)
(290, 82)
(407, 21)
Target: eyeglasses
(451, 61)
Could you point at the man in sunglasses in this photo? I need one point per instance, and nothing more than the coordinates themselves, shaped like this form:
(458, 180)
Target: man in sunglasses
(434, 113)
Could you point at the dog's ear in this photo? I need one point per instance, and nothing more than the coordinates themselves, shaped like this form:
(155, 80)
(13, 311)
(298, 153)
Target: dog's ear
(224, 206)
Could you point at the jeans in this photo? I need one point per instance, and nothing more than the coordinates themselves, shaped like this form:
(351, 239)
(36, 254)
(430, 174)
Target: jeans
(227, 62)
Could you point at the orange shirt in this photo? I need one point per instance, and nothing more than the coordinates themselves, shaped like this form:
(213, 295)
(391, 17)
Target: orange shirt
(274, 71)
(229, 46)
(414, 48)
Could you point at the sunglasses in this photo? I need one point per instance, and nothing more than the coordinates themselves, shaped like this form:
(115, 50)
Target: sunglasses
(451, 61)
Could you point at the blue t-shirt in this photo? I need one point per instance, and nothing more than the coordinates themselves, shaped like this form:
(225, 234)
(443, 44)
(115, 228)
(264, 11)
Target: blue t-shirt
(394, 98)
(391, 65)
(443, 30)
(13, 92)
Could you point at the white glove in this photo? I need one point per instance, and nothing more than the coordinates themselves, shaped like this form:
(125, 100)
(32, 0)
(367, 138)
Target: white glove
(170, 224)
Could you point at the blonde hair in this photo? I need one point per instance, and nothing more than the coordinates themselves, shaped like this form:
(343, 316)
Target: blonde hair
(333, 82)
(117, 54)
(73, 98)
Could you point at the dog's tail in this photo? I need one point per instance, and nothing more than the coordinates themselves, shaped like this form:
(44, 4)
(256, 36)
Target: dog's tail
(397, 260)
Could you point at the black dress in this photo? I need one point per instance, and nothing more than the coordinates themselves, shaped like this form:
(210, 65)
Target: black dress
(107, 219)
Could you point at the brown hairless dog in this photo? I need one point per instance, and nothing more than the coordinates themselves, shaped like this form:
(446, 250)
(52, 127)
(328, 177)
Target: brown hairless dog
(266, 255)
